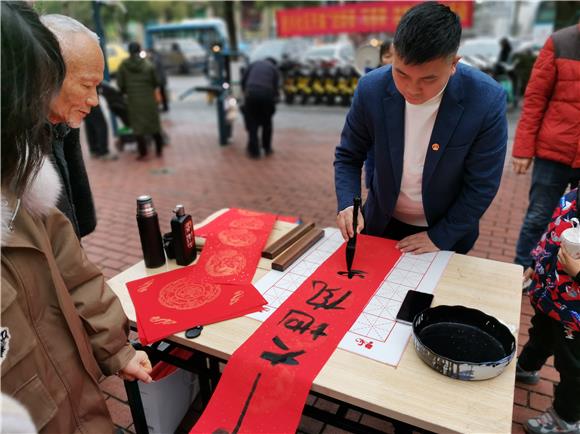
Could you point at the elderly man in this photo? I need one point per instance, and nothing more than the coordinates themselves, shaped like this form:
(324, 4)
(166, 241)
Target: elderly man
(84, 71)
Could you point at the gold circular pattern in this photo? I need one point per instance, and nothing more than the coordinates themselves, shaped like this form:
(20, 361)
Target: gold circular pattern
(184, 294)
(226, 262)
(237, 237)
(247, 223)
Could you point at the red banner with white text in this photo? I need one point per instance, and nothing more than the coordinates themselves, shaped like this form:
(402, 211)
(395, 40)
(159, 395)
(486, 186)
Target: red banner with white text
(355, 18)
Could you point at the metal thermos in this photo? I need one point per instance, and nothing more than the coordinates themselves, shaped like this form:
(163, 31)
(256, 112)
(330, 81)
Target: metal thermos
(149, 232)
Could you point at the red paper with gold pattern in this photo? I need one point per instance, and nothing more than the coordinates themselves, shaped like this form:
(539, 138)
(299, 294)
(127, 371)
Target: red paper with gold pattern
(171, 302)
(234, 246)
(223, 221)
(266, 381)
(214, 289)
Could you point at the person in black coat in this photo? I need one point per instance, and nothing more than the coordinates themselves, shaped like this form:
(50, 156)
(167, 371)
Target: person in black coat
(76, 198)
(97, 132)
(260, 84)
(78, 95)
(157, 61)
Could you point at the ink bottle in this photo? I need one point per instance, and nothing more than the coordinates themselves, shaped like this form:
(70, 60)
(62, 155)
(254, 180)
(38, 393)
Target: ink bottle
(183, 236)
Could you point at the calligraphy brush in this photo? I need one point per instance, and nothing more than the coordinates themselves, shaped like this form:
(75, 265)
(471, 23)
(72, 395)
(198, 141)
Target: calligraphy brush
(351, 243)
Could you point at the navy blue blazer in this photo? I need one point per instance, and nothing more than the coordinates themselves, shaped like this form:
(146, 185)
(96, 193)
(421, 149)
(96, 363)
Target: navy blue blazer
(460, 177)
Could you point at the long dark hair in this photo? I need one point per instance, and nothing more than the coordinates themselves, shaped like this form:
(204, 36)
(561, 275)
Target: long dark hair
(32, 72)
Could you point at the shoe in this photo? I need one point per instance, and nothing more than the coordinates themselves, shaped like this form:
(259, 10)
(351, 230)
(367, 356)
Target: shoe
(550, 422)
(253, 156)
(268, 152)
(527, 377)
(141, 157)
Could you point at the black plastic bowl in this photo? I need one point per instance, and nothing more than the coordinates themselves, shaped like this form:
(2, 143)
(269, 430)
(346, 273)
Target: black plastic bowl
(463, 343)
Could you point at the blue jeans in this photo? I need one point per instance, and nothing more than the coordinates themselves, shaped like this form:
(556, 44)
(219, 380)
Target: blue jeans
(549, 182)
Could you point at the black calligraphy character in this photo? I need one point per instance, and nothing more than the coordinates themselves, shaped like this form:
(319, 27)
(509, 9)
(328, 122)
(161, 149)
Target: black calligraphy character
(319, 331)
(301, 322)
(297, 320)
(326, 295)
(244, 410)
(288, 358)
(353, 273)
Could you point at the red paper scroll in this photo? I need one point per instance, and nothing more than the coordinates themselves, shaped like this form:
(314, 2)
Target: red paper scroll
(266, 381)
(216, 288)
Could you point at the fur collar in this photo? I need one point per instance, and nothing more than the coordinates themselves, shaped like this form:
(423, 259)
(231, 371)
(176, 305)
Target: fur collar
(41, 195)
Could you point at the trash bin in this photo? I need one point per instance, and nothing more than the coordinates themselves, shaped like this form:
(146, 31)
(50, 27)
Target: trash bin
(167, 399)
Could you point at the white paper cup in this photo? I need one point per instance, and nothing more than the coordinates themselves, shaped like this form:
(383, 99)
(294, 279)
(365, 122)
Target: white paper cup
(571, 242)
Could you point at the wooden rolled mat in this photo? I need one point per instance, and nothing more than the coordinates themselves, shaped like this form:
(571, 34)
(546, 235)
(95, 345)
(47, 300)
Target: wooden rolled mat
(287, 258)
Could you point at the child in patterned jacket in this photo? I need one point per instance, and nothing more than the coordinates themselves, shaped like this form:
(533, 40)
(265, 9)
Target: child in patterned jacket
(555, 330)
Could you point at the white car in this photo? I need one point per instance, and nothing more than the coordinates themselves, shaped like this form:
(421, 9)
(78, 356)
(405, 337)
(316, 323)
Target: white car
(339, 54)
(181, 55)
(279, 49)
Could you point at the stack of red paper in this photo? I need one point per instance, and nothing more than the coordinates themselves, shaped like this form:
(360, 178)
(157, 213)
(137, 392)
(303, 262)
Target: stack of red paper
(172, 302)
(223, 220)
(215, 289)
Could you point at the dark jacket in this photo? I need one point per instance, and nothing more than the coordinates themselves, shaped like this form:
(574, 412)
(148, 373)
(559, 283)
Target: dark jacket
(157, 61)
(261, 78)
(549, 127)
(137, 79)
(553, 291)
(76, 199)
(461, 175)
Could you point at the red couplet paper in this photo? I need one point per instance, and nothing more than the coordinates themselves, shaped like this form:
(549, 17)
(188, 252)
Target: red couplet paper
(226, 219)
(234, 245)
(266, 381)
(171, 302)
(215, 289)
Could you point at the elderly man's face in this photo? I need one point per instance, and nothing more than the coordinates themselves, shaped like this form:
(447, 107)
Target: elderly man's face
(84, 71)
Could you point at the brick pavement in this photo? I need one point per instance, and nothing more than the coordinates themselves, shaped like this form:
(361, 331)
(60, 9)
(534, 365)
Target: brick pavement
(297, 180)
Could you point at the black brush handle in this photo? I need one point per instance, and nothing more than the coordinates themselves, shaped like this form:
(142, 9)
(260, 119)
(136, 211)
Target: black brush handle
(355, 215)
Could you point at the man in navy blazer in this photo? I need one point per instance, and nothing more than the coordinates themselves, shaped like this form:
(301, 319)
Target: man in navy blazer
(435, 132)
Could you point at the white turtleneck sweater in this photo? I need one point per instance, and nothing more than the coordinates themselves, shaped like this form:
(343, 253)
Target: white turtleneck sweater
(419, 122)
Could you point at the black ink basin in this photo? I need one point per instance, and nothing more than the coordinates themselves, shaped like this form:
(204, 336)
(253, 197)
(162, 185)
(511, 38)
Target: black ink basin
(463, 343)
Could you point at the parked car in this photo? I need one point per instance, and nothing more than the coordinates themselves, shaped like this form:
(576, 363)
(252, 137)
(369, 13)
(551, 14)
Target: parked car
(279, 49)
(483, 52)
(330, 55)
(181, 55)
(116, 53)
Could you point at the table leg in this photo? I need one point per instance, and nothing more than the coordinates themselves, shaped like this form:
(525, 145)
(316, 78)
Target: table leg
(136, 406)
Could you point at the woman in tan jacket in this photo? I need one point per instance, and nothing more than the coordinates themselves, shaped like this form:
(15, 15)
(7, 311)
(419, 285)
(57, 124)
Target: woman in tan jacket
(62, 328)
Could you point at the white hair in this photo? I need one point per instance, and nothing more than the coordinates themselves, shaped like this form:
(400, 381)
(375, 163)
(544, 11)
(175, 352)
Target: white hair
(63, 27)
